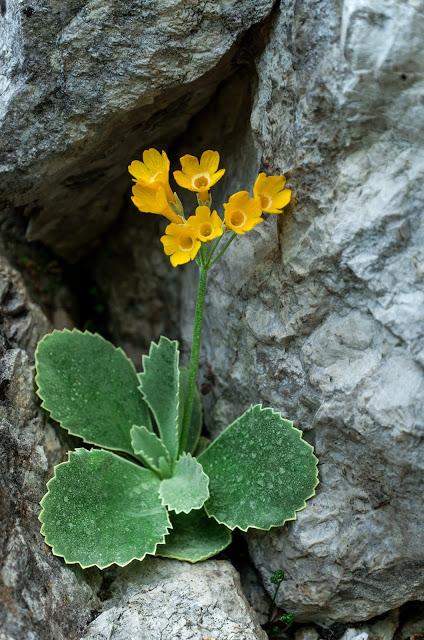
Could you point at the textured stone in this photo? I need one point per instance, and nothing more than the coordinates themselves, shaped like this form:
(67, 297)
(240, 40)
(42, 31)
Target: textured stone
(176, 600)
(139, 290)
(306, 633)
(87, 83)
(320, 313)
(39, 596)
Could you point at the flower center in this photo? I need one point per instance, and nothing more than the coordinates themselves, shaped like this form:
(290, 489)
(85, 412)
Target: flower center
(186, 243)
(265, 202)
(205, 229)
(201, 182)
(238, 218)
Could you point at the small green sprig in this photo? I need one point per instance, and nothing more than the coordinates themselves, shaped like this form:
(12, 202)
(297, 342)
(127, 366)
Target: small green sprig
(276, 626)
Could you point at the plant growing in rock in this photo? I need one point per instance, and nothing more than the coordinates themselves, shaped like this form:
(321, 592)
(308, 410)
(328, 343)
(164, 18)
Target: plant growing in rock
(277, 625)
(148, 485)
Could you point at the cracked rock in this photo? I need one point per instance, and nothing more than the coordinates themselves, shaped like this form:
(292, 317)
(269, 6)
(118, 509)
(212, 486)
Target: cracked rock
(319, 312)
(163, 599)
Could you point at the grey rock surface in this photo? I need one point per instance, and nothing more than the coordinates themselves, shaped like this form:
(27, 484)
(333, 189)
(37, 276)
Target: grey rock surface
(83, 82)
(177, 601)
(319, 312)
(136, 286)
(39, 596)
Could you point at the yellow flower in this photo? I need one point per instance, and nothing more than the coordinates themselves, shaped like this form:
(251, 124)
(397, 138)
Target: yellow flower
(270, 191)
(152, 199)
(181, 243)
(153, 170)
(242, 212)
(199, 176)
(206, 225)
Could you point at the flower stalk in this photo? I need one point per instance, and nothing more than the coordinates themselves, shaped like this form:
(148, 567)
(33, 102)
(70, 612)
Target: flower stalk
(195, 353)
(186, 238)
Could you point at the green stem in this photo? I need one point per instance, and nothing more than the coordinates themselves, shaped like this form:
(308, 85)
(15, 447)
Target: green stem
(213, 249)
(195, 354)
(272, 604)
(223, 250)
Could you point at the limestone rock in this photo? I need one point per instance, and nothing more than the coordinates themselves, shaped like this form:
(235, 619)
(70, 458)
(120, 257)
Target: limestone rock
(319, 312)
(355, 634)
(39, 596)
(306, 633)
(139, 290)
(176, 600)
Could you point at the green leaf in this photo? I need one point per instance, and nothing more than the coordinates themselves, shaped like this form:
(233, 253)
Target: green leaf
(90, 387)
(159, 384)
(261, 471)
(188, 487)
(194, 537)
(196, 414)
(101, 509)
(150, 449)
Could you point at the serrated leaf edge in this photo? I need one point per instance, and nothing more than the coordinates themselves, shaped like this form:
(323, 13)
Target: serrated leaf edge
(273, 526)
(38, 389)
(185, 454)
(87, 566)
(144, 457)
(203, 558)
(155, 345)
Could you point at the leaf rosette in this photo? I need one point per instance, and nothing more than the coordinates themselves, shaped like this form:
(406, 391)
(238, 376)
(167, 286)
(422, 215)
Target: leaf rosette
(139, 491)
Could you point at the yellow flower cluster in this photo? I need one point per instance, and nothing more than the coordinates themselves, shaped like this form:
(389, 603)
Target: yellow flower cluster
(184, 237)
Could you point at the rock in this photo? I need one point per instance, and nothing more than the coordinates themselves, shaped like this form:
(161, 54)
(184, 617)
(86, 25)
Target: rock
(319, 312)
(355, 634)
(86, 84)
(306, 633)
(39, 596)
(140, 292)
(176, 600)
(255, 593)
(386, 627)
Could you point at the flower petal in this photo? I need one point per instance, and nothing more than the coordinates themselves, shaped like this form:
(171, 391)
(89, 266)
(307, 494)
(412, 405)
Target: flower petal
(152, 197)
(259, 184)
(216, 176)
(252, 207)
(281, 200)
(190, 165)
(274, 184)
(180, 257)
(194, 251)
(216, 220)
(203, 213)
(138, 171)
(183, 181)
(169, 245)
(153, 160)
(209, 161)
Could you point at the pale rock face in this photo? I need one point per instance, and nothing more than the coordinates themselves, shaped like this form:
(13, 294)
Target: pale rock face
(323, 307)
(166, 599)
